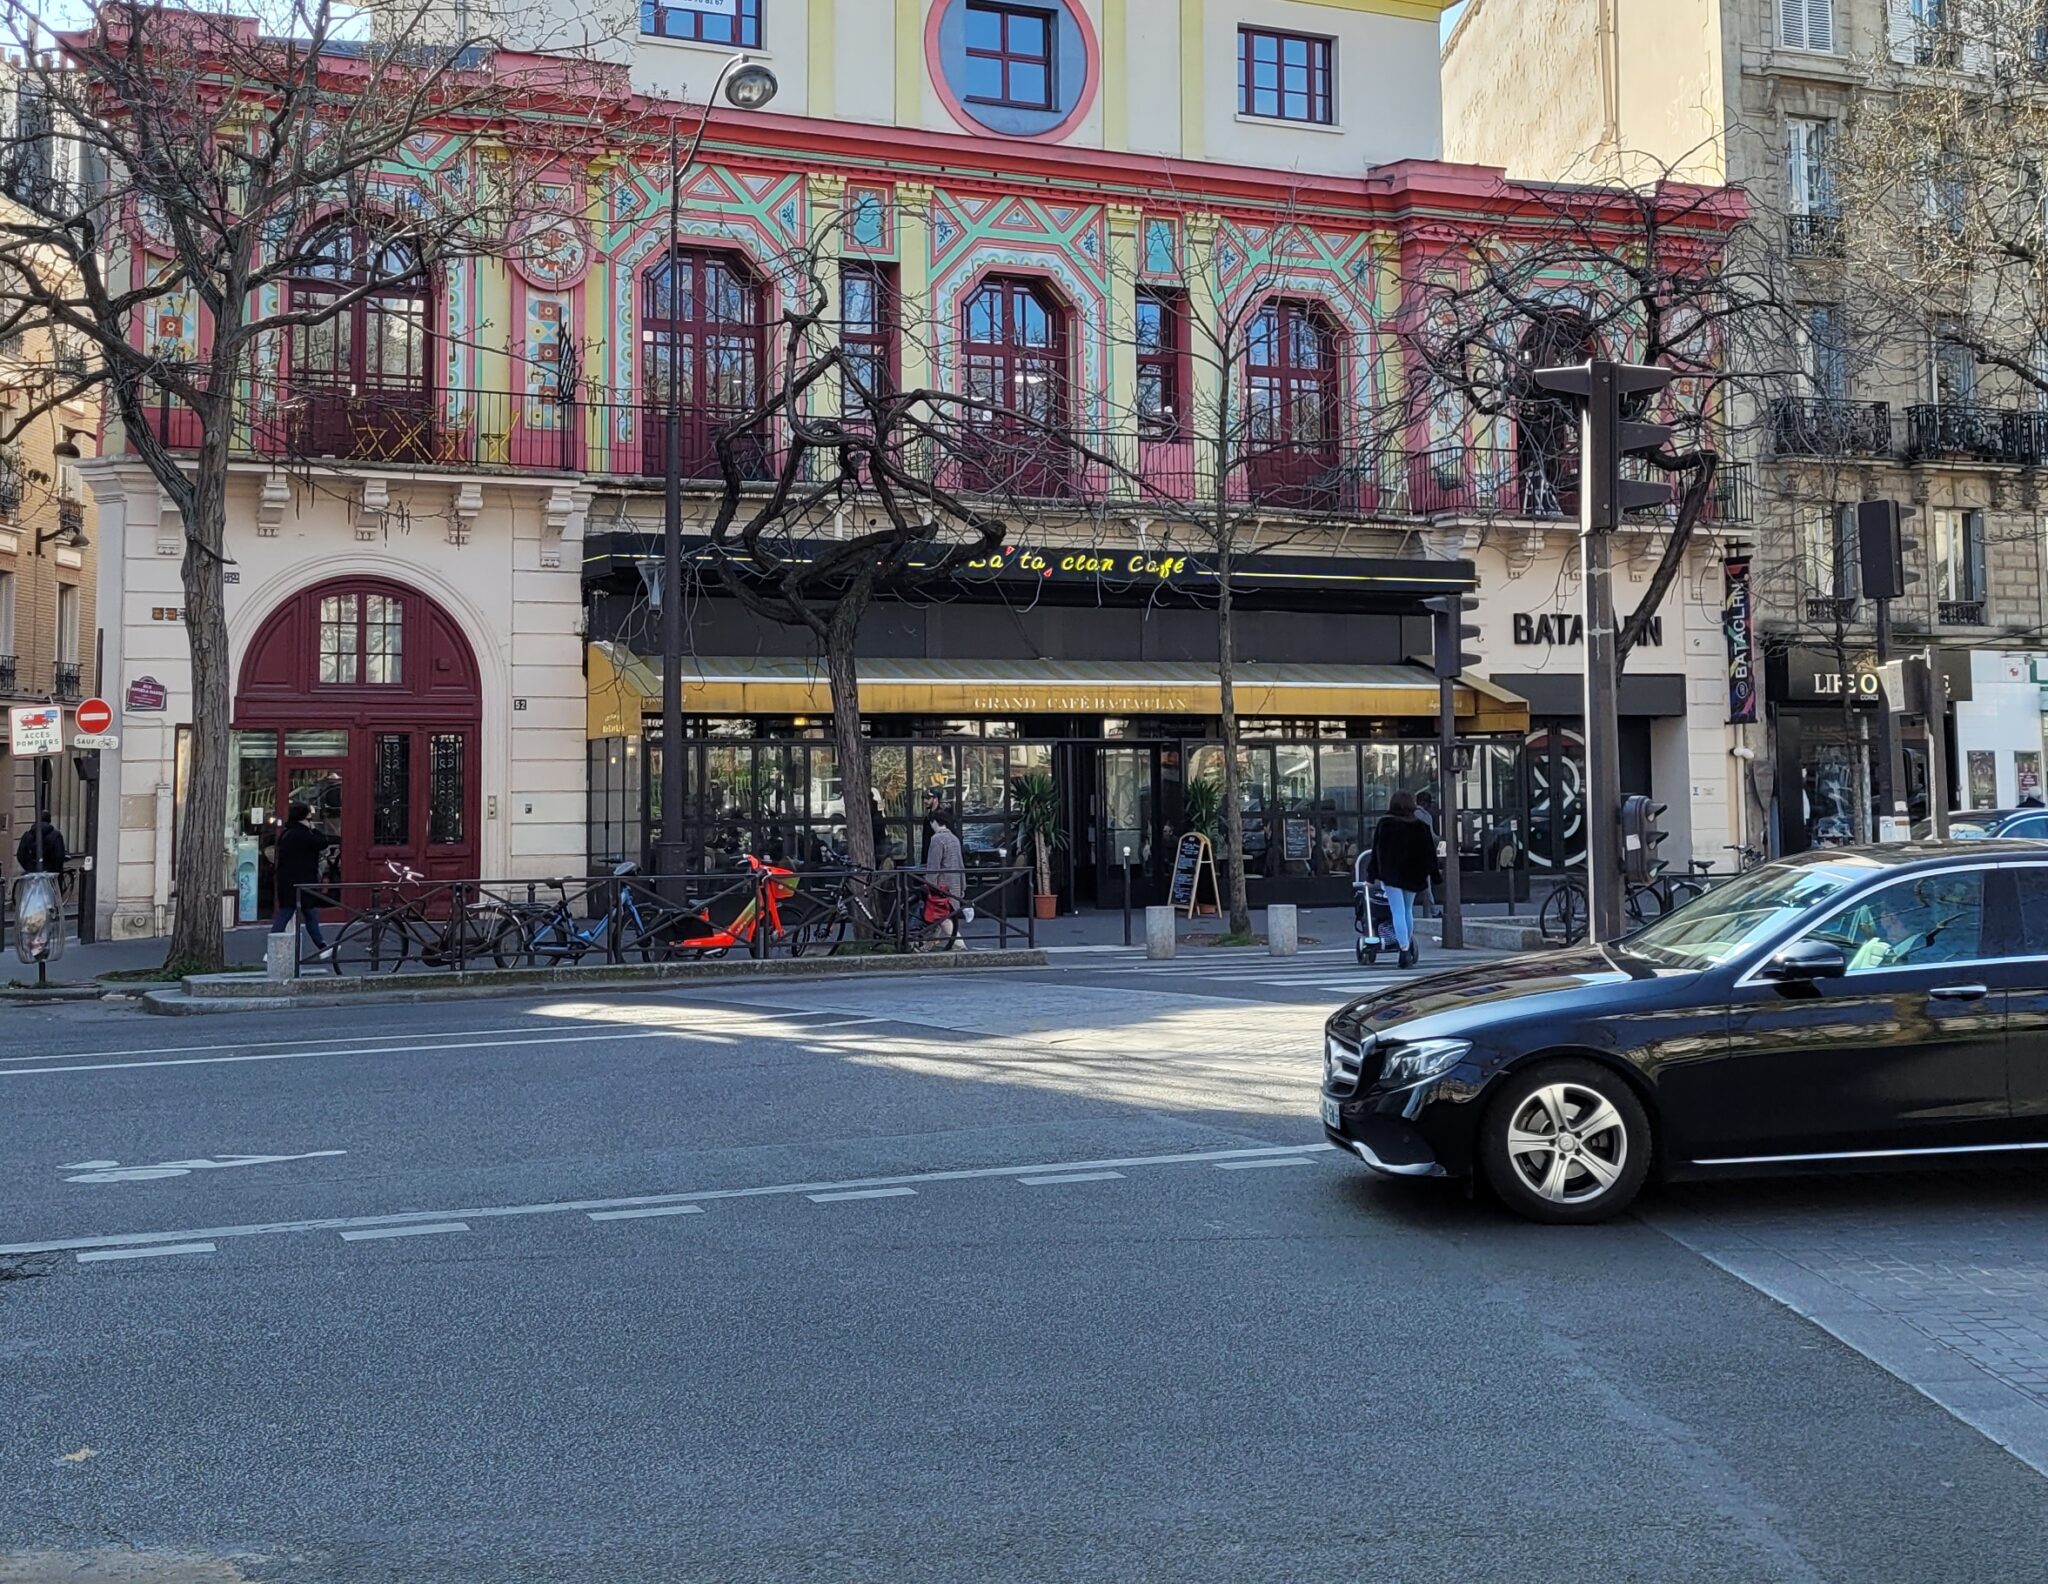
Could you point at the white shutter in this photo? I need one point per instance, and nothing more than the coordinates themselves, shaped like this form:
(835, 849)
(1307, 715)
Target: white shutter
(1820, 25)
(1792, 23)
(1905, 31)
(1798, 166)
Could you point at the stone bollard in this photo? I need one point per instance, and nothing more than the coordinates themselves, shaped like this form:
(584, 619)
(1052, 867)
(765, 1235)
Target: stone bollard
(1158, 932)
(1283, 932)
(281, 961)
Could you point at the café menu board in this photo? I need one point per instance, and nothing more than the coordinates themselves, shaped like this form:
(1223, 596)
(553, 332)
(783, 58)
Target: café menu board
(1188, 859)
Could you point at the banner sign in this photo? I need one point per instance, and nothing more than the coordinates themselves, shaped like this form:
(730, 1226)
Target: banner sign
(1738, 627)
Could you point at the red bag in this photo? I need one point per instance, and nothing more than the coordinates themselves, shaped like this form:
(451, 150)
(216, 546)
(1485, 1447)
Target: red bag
(938, 907)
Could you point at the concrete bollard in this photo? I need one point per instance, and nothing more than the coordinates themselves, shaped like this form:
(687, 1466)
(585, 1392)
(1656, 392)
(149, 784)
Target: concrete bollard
(1283, 930)
(1159, 932)
(280, 960)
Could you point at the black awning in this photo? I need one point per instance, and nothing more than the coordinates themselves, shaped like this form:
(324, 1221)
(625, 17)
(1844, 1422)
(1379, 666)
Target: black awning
(1563, 693)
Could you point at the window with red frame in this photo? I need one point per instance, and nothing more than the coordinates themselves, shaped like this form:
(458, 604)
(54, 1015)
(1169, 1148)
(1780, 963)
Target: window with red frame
(1009, 55)
(701, 315)
(867, 312)
(742, 28)
(1162, 353)
(1016, 350)
(1284, 76)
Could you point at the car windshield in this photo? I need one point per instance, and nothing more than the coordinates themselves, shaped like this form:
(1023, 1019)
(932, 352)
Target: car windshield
(1730, 919)
(1960, 828)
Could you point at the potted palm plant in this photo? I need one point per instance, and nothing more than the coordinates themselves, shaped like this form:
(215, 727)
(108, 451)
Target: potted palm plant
(1201, 808)
(1037, 803)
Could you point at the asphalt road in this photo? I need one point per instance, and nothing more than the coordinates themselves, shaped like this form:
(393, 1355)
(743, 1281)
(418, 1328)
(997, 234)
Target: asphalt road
(1031, 1277)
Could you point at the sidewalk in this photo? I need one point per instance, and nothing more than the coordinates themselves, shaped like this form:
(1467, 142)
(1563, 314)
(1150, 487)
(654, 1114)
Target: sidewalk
(80, 963)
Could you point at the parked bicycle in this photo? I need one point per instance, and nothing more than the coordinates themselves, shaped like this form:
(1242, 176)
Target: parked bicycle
(1567, 913)
(436, 925)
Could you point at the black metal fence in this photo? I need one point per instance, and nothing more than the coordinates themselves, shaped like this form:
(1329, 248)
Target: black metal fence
(400, 925)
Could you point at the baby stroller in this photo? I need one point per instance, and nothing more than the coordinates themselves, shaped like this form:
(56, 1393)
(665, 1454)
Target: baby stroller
(1369, 915)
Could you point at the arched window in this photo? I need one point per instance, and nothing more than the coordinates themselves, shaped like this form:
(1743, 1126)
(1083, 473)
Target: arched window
(1546, 426)
(358, 376)
(1014, 357)
(1291, 412)
(701, 326)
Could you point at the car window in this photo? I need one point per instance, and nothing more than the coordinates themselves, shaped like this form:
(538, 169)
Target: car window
(2034, 826)
(2030, 923)
(1916, 923)
(1711, 929)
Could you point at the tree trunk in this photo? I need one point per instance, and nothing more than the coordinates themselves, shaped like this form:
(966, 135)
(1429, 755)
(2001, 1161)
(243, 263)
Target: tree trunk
(198, 875)
(856, 783)
(1226, 683)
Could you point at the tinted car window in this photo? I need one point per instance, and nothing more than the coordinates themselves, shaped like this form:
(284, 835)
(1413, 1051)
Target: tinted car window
(1711, 929)
(2033, 826)
(1914, 923)
(2031, 915)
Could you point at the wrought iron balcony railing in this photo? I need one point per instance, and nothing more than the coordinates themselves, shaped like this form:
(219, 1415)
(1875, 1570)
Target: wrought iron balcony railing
(65, 681)
(1947, 432)
(1830, 609)
(1821, 426)
(6, 673)
(1960, 613)
(1813, 235)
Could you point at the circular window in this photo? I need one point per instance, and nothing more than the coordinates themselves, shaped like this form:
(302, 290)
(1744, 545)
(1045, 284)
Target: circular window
(1021, 68)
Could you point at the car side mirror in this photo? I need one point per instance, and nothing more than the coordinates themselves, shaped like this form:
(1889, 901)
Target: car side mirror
(1805, 961)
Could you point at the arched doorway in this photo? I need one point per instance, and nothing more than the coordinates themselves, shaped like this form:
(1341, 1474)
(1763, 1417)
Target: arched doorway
(361, 699)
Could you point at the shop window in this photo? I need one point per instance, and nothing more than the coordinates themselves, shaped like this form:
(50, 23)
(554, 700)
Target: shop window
(739, 25)
(1285, 76)
(1162, 354)
(1010, 53)
(867, 298)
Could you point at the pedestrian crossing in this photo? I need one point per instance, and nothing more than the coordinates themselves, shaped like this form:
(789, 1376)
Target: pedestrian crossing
(1327, 968)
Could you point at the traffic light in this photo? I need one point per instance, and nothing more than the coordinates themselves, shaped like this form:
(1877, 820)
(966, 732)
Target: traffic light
(1448, 632)
(1882, 548)
(1612, 393)
(1641, 835)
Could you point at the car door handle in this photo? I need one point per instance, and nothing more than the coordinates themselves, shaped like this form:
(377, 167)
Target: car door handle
(1957, 993)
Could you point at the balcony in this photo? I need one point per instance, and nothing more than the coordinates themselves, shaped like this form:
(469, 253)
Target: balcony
(7, 674)
(1960, 613)
(65, 682)
(1830, 610)
(1946, 433)
(1820, 427)
(1813, 235)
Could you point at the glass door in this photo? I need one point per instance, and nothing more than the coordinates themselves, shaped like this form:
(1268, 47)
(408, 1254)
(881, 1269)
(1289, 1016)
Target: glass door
(1127, 825)
(318, 784)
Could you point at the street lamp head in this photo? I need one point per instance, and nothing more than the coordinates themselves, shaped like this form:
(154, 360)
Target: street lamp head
(750, 86)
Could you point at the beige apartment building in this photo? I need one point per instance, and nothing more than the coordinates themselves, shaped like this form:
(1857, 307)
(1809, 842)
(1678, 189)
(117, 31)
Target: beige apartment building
(1752, 92)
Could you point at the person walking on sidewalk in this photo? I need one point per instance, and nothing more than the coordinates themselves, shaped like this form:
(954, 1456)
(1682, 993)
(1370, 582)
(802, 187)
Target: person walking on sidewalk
(299, 846)
(1403, 861)
(945, 872)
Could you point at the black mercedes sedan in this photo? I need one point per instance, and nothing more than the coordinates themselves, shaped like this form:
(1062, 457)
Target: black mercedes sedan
(1849, 1006)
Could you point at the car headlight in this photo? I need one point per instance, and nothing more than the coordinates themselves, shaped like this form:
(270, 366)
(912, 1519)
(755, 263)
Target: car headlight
(1419, 1059)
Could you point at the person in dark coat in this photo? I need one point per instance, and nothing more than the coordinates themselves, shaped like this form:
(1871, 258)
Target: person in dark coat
(1404, 862)
(42, 849)
(297, 868)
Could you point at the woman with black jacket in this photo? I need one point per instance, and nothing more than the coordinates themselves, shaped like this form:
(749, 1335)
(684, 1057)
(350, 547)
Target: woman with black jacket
(1404, 862)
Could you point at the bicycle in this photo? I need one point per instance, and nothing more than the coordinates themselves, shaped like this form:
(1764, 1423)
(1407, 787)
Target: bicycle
(636, 924)
(1567, 912)
(386, 936)
(689, 932)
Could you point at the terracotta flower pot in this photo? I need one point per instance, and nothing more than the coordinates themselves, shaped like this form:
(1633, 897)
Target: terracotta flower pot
(1044, 905)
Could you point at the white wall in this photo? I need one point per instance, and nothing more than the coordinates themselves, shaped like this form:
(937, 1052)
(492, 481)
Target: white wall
(2002, 717)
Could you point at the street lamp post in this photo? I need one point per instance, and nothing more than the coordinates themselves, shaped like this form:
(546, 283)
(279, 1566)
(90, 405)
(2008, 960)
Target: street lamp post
(747, 85)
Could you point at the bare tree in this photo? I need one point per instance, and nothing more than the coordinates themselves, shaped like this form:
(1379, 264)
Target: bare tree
(178, 166)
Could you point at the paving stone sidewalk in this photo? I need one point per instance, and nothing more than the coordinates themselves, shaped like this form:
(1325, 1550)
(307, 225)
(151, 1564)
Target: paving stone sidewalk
(1942, 1278)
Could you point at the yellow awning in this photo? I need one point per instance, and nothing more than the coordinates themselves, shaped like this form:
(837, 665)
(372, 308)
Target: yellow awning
(624, 686)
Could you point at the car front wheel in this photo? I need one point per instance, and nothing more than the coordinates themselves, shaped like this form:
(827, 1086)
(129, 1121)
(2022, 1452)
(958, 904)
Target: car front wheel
(1566, 1142)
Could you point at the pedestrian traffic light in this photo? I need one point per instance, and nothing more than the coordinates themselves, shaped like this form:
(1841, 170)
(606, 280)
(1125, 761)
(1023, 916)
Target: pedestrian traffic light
(1448, 633)
(1641, 835)
(1613, 432)
(1882, 549)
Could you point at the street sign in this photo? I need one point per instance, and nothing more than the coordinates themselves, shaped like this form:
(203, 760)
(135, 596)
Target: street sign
(86, 742)
(94, 716)
(34, 729)
(146, 693)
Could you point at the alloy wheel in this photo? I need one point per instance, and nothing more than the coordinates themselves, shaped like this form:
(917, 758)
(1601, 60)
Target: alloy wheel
(1567, 1143)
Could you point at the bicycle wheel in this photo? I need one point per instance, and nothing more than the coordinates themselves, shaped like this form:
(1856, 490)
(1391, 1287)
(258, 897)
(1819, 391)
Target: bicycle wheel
(1564, 914)
(820, 936)
(492, 936)
(371, 943)
(1683, 891)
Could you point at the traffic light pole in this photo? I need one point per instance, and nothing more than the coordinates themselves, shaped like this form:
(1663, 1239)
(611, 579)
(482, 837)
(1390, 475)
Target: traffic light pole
(1891, 758)
(1452, 894)
(1937, 746)
(1603, 747)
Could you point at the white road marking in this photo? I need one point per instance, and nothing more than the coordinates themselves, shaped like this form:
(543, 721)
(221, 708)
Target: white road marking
(114, 1171)
(1067, 1177)
(382, 1050)
(403, 1231)
(1255, 1165)
(144, 1253)
(254, 1044)
(650, 1210)
(861, 1193)
(704, 1196)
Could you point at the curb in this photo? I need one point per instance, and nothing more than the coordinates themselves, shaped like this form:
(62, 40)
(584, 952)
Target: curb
(53, 993)
(207, 993)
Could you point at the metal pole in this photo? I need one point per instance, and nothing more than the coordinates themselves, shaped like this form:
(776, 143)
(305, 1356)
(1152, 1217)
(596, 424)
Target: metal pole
(1891, 755)
(669, 855)
(1937, 747)
(1127, 896)
(1603, 748)
(1452, 936)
